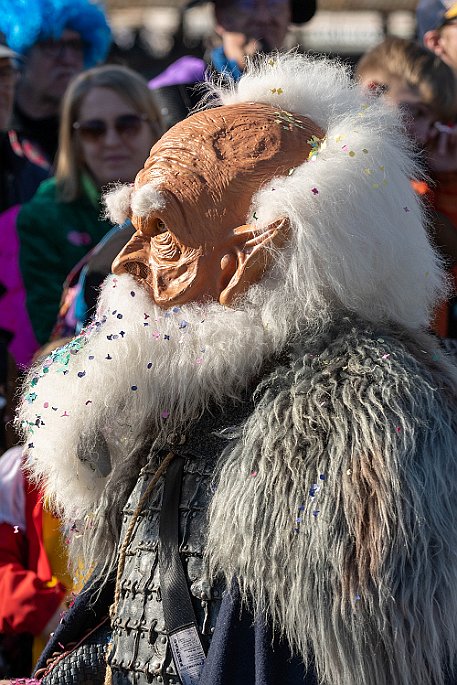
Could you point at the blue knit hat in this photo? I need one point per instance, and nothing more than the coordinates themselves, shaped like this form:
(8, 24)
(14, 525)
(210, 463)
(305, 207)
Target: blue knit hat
(25, 22)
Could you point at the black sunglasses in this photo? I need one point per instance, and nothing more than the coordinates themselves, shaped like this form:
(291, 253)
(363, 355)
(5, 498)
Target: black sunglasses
(56, 48)
(126, 125)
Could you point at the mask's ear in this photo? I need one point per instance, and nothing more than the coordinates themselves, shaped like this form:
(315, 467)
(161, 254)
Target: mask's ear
(247, 261)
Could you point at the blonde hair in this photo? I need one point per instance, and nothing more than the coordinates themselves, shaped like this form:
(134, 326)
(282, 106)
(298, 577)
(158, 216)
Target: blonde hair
(129, 85)
(400, 59)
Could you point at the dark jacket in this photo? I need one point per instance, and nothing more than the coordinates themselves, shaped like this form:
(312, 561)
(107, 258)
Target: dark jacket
(20, 175)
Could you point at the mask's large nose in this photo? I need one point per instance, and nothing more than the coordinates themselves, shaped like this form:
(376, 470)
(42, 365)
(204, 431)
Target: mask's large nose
(133, 259)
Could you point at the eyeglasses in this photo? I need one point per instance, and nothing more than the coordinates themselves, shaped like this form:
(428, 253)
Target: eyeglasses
(126, 126)
(56, 48)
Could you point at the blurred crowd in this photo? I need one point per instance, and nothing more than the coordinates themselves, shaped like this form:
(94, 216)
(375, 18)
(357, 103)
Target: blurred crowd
(71, 126)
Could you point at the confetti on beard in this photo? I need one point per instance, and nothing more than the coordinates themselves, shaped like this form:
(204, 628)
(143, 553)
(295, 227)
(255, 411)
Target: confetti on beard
(104, 397)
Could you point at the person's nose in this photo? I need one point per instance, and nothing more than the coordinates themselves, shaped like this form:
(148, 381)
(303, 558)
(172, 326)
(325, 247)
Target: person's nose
(71, 58)
(112, 137)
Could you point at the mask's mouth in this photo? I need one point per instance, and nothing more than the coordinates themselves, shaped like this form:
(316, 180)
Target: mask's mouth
(137, 269)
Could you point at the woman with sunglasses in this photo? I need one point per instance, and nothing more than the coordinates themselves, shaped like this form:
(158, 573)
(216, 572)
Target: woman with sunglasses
(108, 125)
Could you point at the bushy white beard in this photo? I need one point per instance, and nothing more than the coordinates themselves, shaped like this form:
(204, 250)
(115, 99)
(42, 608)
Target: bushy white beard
(136, 373)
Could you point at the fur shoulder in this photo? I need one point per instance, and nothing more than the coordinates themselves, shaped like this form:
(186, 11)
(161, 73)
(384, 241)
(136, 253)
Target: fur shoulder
(337, 509)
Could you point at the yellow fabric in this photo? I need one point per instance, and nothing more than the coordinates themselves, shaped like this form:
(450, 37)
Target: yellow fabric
(451, 12)
(55, 549)
(58, 559)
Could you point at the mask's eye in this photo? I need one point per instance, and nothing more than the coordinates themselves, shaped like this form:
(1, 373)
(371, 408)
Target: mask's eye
(161, 226)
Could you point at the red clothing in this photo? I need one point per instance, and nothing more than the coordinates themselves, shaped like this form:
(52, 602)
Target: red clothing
(443, 198)
(29, 596)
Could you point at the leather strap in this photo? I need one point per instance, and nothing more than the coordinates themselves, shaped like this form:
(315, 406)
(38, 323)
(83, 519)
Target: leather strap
(179, 615)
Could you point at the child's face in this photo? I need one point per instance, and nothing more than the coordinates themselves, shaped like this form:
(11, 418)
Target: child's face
(418, 116)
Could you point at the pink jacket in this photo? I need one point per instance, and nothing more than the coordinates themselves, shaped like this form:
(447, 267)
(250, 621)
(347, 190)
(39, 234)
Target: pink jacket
(13, 311)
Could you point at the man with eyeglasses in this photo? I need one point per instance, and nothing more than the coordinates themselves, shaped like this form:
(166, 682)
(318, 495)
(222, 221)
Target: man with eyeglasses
(57, 40)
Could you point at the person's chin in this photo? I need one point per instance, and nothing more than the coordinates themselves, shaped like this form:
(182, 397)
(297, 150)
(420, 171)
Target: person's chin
(117, 172)
(61, 82)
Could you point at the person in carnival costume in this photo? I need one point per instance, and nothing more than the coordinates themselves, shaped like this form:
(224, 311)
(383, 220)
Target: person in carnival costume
(256, 435)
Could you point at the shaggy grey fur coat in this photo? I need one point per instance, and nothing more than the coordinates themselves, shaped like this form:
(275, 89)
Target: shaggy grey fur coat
(337, 506)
